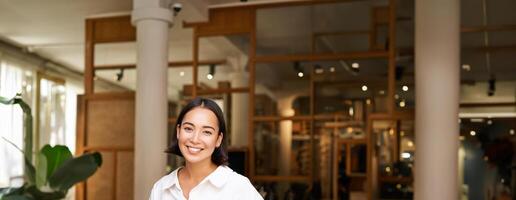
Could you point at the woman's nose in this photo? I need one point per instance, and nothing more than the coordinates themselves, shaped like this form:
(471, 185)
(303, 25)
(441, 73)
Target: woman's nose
(195, 136)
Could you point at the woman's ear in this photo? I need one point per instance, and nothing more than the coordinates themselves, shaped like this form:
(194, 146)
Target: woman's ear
(219, 139)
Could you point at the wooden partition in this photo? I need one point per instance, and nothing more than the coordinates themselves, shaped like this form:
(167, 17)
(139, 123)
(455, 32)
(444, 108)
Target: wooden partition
(106, 124)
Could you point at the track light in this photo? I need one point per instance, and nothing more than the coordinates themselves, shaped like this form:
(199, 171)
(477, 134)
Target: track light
(491, 88)
(364, 88)
(211, 73)
(120, 75)
(404, 88)
(319, 69)
(298, 69)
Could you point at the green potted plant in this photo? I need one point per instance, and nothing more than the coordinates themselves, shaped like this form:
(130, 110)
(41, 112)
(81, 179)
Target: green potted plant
(55, 170)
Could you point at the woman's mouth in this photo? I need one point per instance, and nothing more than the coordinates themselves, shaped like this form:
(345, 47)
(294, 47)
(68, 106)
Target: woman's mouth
(194, 150)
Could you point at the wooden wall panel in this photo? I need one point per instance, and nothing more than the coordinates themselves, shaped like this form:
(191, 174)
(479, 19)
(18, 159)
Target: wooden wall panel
(113, 29)
(99, 186)
(227, 21)
(125, 181)
(110, 123)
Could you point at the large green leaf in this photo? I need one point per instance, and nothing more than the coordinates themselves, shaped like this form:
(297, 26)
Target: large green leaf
(55, 157)
(17, 197)
(41, 169)
(75, 170)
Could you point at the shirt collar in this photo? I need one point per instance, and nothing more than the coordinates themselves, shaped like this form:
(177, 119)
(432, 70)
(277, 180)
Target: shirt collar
(217, 178)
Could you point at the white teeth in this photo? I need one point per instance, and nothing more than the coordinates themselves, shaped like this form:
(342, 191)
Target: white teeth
(194, 150)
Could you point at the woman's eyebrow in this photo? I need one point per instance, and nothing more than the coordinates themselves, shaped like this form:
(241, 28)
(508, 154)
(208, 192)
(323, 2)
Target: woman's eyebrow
(188, 123)
(208, 127)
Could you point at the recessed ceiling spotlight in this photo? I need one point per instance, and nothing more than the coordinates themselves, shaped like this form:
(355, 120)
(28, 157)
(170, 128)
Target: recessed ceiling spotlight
(511, 131)
(209, 76)
(404, 88)
(355, 65)
(181, 73)
(319, 69)
(402, 103)
(489, 122)
(472, 133)
(300, 74)
(364, 88)
(382, 92)
(332, 69)
(396, 96)
(466, 67)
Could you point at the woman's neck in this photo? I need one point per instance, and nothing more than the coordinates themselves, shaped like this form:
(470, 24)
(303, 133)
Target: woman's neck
(198, 171)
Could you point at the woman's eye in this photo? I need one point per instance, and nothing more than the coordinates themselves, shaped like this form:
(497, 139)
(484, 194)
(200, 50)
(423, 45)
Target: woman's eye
(207, 132)
(188, 129)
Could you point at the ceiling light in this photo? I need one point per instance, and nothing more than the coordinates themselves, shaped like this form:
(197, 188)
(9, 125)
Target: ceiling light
(319, 69)
(489, 122)
(382, 92)
(405, 155)
(364, 88)
(298, 69)
(120, 75)
(332, 69)
(396, 96)
(355, 65)
(211, 73)
(491, 86)
(181, 73)
(466, 67)
(402, 103)
(511, 131)
(404, 88)
(410, 144)
(472, 133)
(461, 137)
(402, 133)
(368, 101)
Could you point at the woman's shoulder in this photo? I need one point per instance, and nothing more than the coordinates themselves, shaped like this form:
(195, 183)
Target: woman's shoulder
(167, 180)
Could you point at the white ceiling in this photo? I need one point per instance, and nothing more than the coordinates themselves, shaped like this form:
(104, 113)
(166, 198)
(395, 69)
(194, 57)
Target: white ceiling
(55, 29)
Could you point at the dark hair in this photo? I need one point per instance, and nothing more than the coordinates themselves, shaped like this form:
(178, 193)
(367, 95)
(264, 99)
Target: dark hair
(219, 156)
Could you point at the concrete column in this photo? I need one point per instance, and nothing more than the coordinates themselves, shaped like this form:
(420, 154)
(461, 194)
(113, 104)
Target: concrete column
(239, 107)
(285, 109)
(152, 24)
(437, 99)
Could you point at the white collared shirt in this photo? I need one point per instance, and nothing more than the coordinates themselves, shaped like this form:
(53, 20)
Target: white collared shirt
(223, 183)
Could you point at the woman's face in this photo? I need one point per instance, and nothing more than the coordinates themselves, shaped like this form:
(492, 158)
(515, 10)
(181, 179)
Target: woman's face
(198, 135)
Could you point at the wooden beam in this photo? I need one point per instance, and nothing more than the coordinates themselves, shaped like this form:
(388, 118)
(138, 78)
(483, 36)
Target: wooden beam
(480, 105)
(89, 53)
(110, 96)
(342, 33)
(391, 70)
(222, 91)
(113, 29)
(322, 56)
(476, 29)
(170, 64)
(275, 4)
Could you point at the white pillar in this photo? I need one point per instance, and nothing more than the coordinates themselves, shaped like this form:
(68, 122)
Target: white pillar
(239, 106)
(437, 99)
(285, 108)
(152, 24)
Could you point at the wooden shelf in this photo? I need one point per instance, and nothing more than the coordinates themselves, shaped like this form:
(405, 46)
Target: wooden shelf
(396, 179)
(353, 141)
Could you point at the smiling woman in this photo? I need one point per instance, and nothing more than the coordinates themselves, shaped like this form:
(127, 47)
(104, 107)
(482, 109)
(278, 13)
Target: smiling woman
(200, 129)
